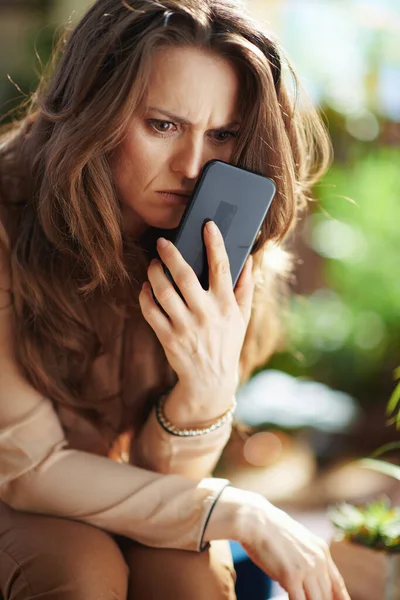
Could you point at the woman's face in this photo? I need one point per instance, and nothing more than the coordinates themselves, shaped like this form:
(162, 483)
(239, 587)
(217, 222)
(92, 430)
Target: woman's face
(190, 117)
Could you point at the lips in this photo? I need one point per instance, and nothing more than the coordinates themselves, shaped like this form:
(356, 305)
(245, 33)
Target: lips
(185, 193)
(174, 197)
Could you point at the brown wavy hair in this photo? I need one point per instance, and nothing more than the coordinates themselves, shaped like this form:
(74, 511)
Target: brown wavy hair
(73, 268)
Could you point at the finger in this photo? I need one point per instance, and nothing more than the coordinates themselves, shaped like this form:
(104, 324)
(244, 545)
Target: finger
(316, 589)
(325, 585)
(220, 278)
(321, 573)
(338, 585)
(297, 594)
(183, 275)
(166, 294)
(244, 289)
(151, 312)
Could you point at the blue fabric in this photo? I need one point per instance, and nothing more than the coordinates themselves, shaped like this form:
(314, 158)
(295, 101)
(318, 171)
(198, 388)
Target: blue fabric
(251, 581)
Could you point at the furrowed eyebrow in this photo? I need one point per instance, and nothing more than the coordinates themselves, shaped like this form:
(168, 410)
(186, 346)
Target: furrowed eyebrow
(182, 121)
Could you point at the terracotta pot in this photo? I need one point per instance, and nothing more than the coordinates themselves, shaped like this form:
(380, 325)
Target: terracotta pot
(368, 574)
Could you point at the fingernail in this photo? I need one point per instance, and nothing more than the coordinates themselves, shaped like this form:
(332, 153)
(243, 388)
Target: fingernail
(211, 226)
(146, 286)
(162, 242)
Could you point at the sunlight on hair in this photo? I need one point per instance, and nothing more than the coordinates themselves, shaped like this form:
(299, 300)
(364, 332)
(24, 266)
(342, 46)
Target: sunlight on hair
(276, 258)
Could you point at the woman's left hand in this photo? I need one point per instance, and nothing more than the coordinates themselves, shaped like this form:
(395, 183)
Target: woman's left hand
(203, 338)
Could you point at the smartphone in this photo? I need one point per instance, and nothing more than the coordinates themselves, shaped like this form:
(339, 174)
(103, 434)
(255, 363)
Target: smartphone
(238, 201)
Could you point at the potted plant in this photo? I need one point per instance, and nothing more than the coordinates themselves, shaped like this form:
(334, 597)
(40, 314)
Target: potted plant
(366, 546)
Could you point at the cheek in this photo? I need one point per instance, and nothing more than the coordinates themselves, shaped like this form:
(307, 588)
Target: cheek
(141, 158)
(225, 152)
(228, 151)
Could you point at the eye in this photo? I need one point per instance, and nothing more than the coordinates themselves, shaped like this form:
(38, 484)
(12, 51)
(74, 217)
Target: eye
(161, 127)
(222, 137)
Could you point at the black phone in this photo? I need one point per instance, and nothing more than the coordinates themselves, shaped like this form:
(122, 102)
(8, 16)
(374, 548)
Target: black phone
(237, 200)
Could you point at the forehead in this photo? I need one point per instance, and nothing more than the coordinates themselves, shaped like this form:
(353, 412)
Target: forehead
(195, 84)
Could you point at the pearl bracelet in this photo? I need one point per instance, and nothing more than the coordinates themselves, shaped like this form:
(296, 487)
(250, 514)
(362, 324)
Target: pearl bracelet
(173, 430)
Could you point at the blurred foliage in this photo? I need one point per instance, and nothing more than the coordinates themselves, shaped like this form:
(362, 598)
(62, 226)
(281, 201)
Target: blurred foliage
(348, 330)
(30, 57)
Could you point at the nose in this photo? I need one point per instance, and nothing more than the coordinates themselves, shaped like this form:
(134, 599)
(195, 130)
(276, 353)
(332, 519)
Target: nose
(190, 157)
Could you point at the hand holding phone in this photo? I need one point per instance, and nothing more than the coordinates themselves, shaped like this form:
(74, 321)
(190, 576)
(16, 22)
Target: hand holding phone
(238, 201)
(202, 333)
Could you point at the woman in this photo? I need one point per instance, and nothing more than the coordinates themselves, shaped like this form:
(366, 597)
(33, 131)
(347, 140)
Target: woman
(103, 492)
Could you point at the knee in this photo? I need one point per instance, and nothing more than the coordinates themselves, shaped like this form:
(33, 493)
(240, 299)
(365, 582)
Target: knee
(172, 574)
(87, 565)
(58, 558)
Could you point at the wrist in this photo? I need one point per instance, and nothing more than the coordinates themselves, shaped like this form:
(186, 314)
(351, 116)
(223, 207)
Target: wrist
(187, 409)
(236, 516)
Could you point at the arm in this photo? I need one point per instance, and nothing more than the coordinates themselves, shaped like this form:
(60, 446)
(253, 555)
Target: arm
(194, 457)
(38, 473)
(202, 338)
(156, 510)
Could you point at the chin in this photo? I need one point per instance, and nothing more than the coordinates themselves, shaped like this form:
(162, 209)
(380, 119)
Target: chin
(166, 223)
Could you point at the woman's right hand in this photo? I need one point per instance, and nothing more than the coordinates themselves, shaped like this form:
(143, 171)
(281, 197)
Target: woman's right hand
(290, 554)
(283, 548)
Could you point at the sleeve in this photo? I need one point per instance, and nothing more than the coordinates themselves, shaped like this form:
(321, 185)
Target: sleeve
(194, 457)
(40, 474)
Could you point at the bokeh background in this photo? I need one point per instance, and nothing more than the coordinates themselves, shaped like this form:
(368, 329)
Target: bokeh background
(320, 403)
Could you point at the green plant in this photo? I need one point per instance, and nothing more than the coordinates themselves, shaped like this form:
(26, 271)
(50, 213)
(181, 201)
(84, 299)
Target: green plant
(395, 399)
(345, 332)
(381, 465)
(374, 524)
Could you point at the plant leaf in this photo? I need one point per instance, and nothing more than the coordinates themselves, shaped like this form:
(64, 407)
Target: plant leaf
(346, 516)
(391, 529)
(385, 448)
(393, 400)
(381, 466)
(390, 533)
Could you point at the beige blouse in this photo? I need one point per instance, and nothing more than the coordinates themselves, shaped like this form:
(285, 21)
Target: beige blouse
(158, 491)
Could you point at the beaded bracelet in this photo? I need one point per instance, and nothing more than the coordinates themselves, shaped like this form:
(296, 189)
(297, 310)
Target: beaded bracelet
(173, 430)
